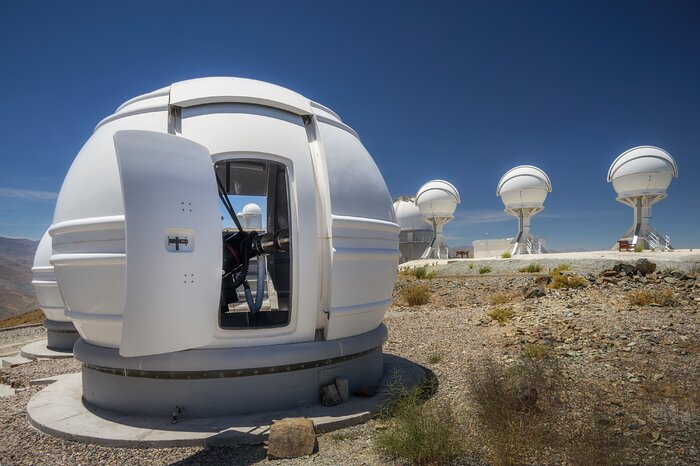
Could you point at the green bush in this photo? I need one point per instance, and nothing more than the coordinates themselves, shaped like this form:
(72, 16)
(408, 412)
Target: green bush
(568, 281)
(501, 314)
(638, 248)
(484, 269)
(419, 431)
(559, 269)
(531, 268)
(506, 255)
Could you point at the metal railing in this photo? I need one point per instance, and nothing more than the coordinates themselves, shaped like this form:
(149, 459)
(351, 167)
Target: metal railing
(533, 247)
(655, 240)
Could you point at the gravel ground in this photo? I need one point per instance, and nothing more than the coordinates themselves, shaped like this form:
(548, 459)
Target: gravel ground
(635, 367)
(589, 262)
(12, 340)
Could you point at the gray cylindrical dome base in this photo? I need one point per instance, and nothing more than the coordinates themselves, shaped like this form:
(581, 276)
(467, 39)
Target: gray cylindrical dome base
(227, 381)
(61, 335)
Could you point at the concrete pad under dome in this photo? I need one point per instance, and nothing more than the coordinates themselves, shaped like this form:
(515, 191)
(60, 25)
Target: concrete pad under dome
(60, 411)
(40, 350)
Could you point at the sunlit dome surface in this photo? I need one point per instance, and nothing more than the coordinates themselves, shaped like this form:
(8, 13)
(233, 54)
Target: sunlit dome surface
(44, 282)
(524, 186)
(437, 198)
(408, 215)
(252, 216)
(642, 170)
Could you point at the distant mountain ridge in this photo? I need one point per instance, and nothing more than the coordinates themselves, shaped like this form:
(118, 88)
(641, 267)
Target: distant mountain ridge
(16, 292)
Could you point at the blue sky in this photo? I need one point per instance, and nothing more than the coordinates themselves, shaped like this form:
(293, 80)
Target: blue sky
(455, 90)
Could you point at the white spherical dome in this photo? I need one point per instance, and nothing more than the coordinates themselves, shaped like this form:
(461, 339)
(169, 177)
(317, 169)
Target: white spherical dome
(44, 282)
(408, 215)
(137, 228)
(252, 209)
(251, 217)
(642, 170)
(524, 186)
(437, 198)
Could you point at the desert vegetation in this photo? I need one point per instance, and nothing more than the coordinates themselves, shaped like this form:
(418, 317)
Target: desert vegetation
(531, 268)
(416, 294)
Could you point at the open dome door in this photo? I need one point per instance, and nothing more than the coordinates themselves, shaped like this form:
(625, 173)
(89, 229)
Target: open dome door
(173, 243)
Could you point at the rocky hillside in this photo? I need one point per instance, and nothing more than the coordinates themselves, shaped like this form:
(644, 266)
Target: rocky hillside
(16, 293)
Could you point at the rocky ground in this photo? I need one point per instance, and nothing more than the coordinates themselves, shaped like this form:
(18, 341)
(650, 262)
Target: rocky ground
(630, 371)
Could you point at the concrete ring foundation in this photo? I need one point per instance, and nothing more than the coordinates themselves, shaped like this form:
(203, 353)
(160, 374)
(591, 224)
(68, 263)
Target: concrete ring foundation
(60, 410)
(40, 350)
(227, 381)
(61, 336)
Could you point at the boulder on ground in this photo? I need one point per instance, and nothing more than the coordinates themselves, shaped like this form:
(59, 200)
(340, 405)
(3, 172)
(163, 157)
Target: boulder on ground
(291, 438)
(533, 292)
(645, 266)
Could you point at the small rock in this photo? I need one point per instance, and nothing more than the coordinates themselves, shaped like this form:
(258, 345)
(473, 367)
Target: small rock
(330, 395)
(669, 280)
(530, 293)
(343, 388)
(291, 438)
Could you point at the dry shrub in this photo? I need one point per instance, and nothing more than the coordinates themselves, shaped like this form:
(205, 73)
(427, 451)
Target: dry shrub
(506, 255)
(535, 350)
(416, 295)
(507, 410)
(531, 268)
(646, 297)
(500, 298)
(33, 317)
(560, 280)
(594, 444)
(501, 314)
(419, 431)
(559, 269)
(435, 358)
(521, 417)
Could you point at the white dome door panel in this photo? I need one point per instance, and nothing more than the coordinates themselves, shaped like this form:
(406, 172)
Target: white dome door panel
(173, 243)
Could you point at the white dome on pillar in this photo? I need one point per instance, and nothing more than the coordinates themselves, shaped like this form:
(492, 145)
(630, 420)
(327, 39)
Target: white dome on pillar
(251, 217)
(523, 190)
(640, 177)
(437, 201)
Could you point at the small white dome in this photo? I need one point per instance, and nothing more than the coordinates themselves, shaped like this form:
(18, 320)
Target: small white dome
(44, 282)
(251, 218)
(437, 198)
(524, 186)
(642, 170)
(408, 215)
(252, 209)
